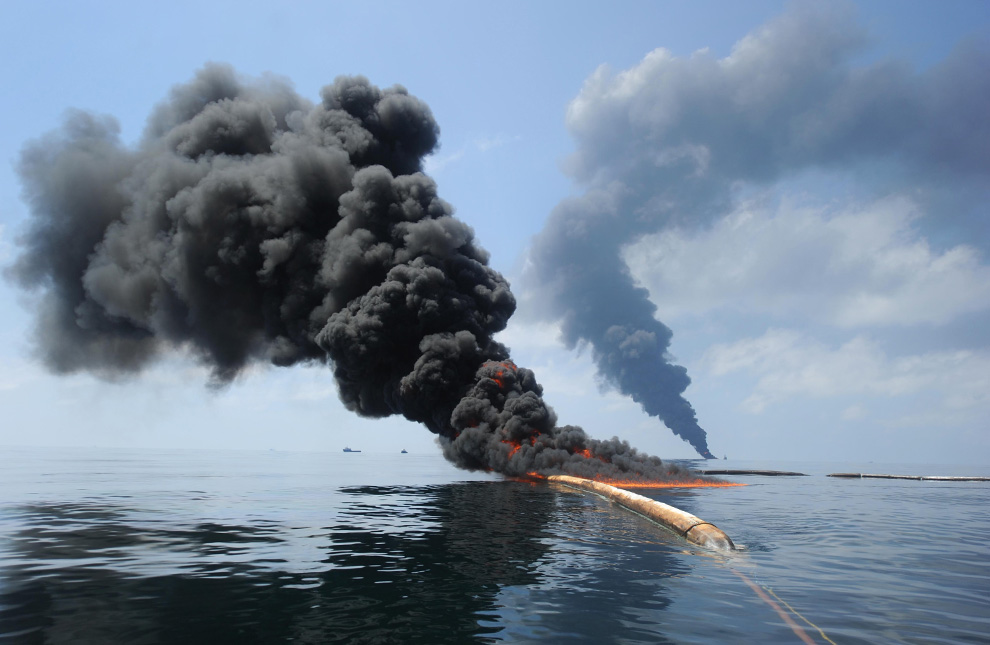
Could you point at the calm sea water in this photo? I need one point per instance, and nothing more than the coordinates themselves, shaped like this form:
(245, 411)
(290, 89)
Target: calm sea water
(265, 547)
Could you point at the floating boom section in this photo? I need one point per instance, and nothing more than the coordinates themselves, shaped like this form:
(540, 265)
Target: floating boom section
(691, 528)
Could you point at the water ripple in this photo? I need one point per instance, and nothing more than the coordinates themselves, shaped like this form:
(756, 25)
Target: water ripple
(276, 548)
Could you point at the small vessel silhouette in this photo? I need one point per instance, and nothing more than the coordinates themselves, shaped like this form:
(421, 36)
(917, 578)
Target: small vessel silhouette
(349, 450)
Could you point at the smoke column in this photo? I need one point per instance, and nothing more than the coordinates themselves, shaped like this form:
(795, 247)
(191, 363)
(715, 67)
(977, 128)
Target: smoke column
(251, 225)
(670, 142)
(585, 282)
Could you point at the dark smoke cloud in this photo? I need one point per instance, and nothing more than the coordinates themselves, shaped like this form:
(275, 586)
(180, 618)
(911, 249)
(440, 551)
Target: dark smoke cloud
(250, 225)
(667, 142)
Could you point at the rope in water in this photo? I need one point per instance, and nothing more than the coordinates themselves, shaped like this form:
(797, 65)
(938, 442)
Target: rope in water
(795, 612)
(683, 524)
(797, 629)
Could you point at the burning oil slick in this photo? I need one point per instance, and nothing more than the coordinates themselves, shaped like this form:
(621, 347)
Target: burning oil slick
(252, 225)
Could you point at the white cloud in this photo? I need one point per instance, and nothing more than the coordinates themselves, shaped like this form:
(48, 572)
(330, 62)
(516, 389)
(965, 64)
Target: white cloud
(853, 412)
(863, 266)
(484, 144)
(787, 363)
(435, 163)
(524, 335)
(536, 346)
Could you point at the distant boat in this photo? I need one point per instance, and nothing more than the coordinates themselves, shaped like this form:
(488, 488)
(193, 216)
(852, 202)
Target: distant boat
(349, 450)
(404, 451)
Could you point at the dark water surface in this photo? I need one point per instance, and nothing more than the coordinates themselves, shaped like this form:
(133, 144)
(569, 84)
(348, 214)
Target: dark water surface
(104, 546)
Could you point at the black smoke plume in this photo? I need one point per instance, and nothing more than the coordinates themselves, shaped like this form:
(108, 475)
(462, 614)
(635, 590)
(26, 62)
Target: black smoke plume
(251, 225)
(670, 142)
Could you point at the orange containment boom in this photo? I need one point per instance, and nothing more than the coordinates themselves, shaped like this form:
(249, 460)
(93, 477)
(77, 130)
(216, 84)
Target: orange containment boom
(691, 528)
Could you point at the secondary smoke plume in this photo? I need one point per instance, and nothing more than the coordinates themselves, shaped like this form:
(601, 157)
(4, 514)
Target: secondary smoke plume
(587, 286)
(670, 142)
(251, 225)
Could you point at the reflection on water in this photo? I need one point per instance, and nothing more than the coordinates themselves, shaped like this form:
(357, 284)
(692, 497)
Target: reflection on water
(228, 547)
(448, 563)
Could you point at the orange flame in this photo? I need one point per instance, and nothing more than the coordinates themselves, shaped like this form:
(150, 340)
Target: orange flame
(587, 455)
(529, 478)
(633, 483)
(514, 447)
(688, 483)
(503, 366)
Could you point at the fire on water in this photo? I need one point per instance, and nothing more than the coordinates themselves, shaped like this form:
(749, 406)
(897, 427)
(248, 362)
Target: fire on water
(516, 445)
(634, 483)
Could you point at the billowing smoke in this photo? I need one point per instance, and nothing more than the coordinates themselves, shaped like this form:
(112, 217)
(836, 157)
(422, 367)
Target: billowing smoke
(251, 225)
(672, 141)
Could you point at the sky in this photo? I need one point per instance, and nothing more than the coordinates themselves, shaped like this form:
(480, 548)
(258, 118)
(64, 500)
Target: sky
(800, 189)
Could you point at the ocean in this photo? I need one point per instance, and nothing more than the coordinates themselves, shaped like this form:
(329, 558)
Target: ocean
(185, 546)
